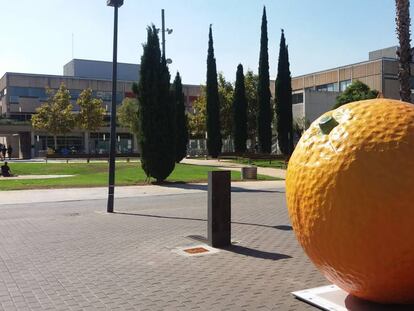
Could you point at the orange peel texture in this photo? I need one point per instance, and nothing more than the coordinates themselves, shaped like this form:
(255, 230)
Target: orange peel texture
(350, 196)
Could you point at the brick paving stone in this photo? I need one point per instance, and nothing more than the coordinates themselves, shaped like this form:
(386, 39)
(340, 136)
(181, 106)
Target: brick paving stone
(72, 256)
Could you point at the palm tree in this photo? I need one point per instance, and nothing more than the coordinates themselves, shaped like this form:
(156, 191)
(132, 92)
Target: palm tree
(404, 52)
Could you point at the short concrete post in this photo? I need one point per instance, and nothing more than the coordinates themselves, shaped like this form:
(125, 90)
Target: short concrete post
(219, 209)
(249, 173)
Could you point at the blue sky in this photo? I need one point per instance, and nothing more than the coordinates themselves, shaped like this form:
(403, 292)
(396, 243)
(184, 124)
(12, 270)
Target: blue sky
(36, 36)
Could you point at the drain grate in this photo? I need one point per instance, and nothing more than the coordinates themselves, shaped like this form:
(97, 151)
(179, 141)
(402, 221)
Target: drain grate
(195, 250)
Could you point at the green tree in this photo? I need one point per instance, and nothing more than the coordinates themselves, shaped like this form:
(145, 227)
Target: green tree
(91, 114)
(226, 91)
(197, 119)
(251, 83)
(55, 116)
(404, 51)
(300, 125)
(181, 134)
(283, 100)
(127, 114)
(214, 142)
(156, 112)
(240, 112)
(354, 92)
(264, 117)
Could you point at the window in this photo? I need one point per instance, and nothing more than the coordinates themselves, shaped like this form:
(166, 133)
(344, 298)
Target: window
(74, 94)
(297, 98)
(31, 92)
(344, 84)
(13, 99)
(331, 87)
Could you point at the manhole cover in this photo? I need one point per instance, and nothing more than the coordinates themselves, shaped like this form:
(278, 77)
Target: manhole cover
(196, 250)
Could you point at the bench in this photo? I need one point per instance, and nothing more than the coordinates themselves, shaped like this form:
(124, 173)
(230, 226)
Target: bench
(230, 156)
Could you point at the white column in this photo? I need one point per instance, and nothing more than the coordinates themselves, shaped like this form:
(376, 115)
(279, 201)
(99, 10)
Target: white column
(86, 135)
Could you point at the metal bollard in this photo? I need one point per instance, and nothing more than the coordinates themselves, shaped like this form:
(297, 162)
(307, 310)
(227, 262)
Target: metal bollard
(219, 209)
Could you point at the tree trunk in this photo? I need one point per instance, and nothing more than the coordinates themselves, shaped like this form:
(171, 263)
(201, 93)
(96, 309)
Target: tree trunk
(404, 52)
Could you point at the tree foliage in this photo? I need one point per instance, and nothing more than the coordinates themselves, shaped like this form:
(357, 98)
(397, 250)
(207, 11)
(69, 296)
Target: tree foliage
(55, 116)
(214, 142)
(91, 113)
(240, 112)
(226, 92)
(156, 112)
(181, 133)
(251, 83)
(404, 52)
(127, 114)
(300, 125)
(283, 100)
(197, 119)
(264, 117)
(354, 92)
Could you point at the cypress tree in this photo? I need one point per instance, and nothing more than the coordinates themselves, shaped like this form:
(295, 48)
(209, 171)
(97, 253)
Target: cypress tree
(264, 117)
(240, 112)
(181, 131)
(156, 112)
(214, 142)
(283, 100)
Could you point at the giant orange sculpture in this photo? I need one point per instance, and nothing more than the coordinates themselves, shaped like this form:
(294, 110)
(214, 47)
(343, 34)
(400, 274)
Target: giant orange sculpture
(350, 195)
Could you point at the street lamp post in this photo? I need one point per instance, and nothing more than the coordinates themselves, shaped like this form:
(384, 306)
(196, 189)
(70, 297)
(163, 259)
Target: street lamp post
(163, 31)
(112, 149)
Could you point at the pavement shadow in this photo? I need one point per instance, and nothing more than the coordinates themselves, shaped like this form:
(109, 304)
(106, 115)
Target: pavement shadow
(246, 251)
(279, 227)
(159, 216)
(183, 185)
(353, 303)
(283, 228)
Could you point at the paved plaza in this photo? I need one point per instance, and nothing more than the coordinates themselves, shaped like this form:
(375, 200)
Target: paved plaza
(69, 254)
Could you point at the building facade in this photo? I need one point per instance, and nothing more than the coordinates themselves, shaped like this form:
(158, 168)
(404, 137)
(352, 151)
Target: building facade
(21, 94)
(315, 93)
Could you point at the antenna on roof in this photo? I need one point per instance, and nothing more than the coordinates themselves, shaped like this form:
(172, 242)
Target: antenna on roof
(73, 43)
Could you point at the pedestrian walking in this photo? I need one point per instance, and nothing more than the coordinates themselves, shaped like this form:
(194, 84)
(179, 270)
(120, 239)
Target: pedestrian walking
(9, 151)
(3, 152)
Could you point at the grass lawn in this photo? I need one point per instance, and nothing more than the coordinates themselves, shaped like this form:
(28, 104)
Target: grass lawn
(263, 163)
(96, 174)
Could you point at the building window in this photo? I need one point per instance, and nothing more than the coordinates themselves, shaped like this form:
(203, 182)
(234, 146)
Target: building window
(30, 92)
(99, 143)
(344, 84)
(331, 87)
(297, 98)
(13, 99)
